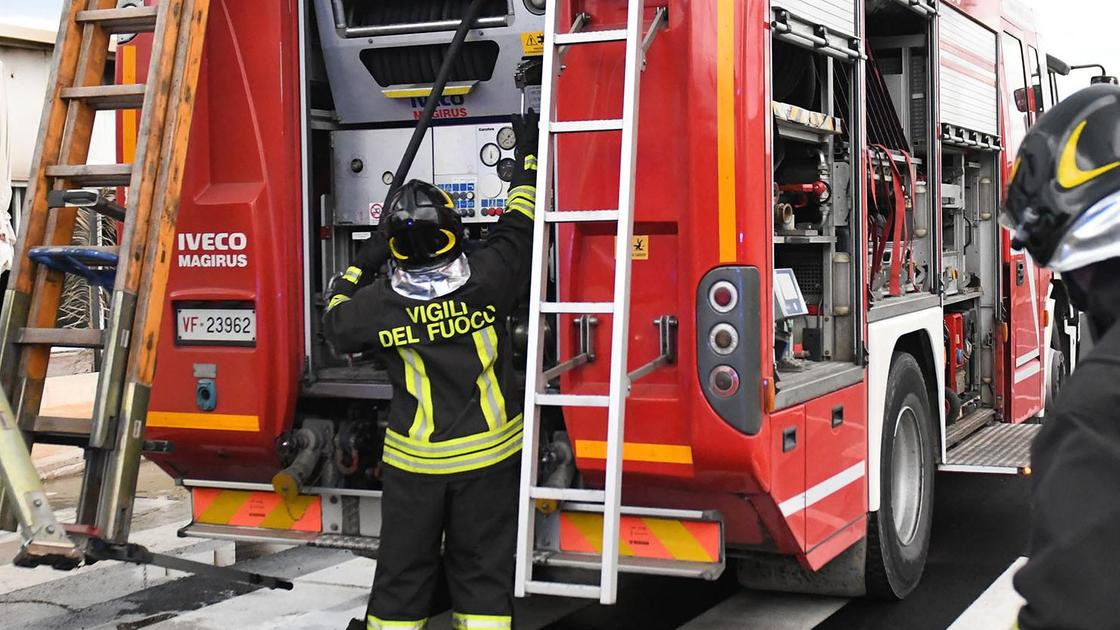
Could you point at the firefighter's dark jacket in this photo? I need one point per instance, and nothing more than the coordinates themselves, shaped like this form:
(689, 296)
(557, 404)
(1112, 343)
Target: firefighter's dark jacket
(455, 405)
(1071, 578)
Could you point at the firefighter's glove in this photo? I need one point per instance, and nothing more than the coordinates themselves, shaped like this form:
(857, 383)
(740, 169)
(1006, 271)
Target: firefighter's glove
(343, 286)
(371, 256)
(527, 129)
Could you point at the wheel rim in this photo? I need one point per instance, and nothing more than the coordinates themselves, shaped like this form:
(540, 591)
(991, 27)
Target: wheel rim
(906, 476)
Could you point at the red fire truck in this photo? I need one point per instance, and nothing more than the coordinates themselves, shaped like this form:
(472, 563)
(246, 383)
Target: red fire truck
(811, 206)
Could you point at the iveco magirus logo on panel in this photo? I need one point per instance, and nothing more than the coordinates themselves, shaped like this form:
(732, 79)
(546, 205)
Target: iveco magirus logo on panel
(213, 249)
(454, 106)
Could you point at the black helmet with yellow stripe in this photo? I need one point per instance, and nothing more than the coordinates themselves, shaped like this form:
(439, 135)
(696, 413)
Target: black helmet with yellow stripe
(1063, 201)
(423, 228)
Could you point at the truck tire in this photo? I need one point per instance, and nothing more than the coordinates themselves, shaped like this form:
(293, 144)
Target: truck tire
(898, 534)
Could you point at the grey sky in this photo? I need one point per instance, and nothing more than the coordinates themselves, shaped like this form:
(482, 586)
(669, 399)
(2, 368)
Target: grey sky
(1078, 31)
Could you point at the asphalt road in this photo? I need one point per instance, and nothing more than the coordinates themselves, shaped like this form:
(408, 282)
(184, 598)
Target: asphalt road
(980, 529)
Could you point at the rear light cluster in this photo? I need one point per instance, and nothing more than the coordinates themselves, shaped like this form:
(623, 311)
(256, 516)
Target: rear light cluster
(728, 358)
(723, 339)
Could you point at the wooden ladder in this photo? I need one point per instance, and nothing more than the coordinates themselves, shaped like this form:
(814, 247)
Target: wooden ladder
(136, 271)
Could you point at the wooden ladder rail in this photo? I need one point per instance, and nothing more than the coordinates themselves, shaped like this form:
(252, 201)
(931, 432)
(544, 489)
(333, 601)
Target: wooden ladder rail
(28, 318)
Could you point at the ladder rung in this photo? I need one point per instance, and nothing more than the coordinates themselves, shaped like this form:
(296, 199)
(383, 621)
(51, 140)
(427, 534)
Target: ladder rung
(62, 337)
(590, 37)
(95, 175)
(578, 308)
(581, 216)
(568, 494)
(131, 20)
(106, 97)
(586, 126)
(572, 400)
(62, 426)
(559, 589)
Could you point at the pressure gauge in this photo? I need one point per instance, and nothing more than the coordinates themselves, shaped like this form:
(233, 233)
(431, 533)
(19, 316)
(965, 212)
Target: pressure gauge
(490, 154)
(506, 168)
(506, 138)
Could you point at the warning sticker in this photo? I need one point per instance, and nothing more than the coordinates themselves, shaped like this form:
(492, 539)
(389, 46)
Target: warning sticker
(639, 248)
(375, 212)
(532, 43)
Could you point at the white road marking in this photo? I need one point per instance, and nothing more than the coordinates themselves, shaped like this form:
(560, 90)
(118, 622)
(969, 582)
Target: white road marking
(822, 490)
(998, 606)
(767, 611)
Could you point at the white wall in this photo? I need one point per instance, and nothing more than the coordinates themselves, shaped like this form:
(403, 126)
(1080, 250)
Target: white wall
(27, 70)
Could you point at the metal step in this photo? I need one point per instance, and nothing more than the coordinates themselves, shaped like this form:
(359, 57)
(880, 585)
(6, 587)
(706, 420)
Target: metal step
(590, 37)
(968, 425)
(568, 494)
(122, 21)
(61, 337)
(107, 97)
(578, 308)
(572, 400)
(89, 199)
(93, 175)
(586, 126)
(626, 564)
(1000, 449)
(581, 216)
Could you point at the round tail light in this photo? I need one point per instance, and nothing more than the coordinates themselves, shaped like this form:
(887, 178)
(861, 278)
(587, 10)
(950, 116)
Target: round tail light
(723, 296)
(724, 381)
(724, 339)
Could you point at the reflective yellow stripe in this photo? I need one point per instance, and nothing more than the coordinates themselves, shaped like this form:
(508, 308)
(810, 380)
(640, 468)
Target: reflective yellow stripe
(522, 207)
(373, 623)
(203, 421)
(530, 162)
(450, 448)
(417, 383)
(490, 393)
(450, 465)
(336, 300)
(353, 274)
(527, 192)
(460, 621)
(725, 117)
(637, 452)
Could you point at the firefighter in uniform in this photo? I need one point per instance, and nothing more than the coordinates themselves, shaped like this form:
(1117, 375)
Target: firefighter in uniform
(450, 468)
(1063, 207)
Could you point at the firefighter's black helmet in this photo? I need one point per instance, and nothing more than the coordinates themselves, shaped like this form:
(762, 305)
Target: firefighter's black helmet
(423, 228)
(1063, 201)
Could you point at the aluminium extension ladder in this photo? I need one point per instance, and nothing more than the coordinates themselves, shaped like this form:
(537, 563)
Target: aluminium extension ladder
(537, 378)
(136, 272)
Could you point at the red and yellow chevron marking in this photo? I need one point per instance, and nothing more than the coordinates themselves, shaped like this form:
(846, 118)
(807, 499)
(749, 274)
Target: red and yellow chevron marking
(265, 510)
(660, 538)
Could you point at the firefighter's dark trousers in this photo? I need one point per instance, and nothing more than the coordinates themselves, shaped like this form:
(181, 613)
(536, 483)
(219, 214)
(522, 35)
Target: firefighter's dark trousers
(475, 519)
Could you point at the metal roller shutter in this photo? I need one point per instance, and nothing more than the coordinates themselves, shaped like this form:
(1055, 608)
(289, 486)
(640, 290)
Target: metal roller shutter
(969, 97)
(839, 16)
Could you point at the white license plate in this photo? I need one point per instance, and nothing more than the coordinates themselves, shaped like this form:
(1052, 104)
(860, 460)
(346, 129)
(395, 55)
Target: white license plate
(219, 326)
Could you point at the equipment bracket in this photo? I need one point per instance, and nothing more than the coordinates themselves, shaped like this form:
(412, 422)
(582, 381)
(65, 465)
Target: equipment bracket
(585, 325)
(660, 21)
(581, 20)
(668, 327)
(136, 554)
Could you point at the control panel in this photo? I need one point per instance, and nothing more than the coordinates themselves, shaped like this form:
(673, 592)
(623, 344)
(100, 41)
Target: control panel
(473, 164)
